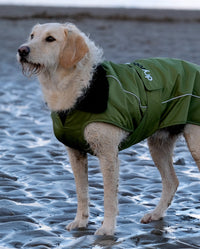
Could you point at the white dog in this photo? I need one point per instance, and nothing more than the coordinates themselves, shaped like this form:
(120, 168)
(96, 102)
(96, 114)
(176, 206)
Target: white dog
(85, 95)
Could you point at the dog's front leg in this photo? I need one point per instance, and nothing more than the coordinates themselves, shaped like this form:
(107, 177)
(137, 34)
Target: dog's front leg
(79, 165)
(104, 140)
(110, 171)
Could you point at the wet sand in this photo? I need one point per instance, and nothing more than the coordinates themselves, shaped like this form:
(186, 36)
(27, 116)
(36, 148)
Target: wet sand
(37, 190)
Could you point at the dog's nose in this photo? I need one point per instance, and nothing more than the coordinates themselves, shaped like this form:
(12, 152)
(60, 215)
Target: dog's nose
(24, 51)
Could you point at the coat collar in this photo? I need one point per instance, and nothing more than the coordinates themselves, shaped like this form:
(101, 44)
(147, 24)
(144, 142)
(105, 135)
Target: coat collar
(94, 98)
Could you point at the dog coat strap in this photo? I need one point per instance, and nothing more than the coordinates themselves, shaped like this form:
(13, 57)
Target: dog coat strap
(149, 123)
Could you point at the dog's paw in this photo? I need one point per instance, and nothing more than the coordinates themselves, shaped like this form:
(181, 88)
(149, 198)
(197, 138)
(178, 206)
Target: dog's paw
(150, 217)
(77, 224)
(103, 230)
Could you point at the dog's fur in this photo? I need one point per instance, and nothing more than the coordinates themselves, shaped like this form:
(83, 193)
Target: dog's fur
(64, 59)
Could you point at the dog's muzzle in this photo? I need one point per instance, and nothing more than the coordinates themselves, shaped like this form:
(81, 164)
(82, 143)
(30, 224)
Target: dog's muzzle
(28, 68)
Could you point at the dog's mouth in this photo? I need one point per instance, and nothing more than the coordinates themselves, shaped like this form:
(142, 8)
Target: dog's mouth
(29, 68)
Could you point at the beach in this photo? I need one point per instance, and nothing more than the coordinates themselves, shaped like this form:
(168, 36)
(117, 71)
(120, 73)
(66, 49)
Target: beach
(37, 190)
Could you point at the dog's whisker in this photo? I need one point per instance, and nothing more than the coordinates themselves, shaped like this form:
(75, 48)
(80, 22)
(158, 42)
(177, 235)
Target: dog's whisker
(29, 69)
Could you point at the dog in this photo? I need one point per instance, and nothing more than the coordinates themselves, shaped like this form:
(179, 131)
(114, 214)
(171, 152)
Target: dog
(84, 93)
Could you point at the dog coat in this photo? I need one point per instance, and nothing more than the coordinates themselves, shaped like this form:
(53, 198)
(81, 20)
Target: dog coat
(139, 97)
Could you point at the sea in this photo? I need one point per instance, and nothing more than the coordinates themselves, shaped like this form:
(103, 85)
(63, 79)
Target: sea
(168, 4)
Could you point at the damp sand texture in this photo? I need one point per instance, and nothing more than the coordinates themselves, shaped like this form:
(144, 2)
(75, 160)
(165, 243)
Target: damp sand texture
(37, 190)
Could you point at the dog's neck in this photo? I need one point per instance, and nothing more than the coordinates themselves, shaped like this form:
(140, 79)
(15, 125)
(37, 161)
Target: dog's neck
(62, 87)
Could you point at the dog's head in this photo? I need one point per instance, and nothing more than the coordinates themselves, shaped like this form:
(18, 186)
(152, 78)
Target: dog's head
(50, 46)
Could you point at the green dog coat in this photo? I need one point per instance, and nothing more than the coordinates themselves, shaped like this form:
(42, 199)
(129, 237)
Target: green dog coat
(143, 96)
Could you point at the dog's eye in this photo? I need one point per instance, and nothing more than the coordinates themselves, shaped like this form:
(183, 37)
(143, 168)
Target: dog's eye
(32, 36)
(50, 39)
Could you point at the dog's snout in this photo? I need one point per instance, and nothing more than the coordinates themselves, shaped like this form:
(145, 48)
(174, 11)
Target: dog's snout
(24, 51)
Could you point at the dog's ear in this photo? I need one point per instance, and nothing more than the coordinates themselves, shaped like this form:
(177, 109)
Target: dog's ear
(74, 49)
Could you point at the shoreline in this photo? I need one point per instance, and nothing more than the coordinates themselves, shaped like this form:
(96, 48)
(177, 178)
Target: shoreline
(15, 12)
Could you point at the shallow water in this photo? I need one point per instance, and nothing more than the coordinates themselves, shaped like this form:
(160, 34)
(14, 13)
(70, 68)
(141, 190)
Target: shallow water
(37, 191)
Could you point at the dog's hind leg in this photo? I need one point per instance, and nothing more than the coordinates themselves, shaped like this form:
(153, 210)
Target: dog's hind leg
(80, 169)
(161, 146)
(192, 137)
